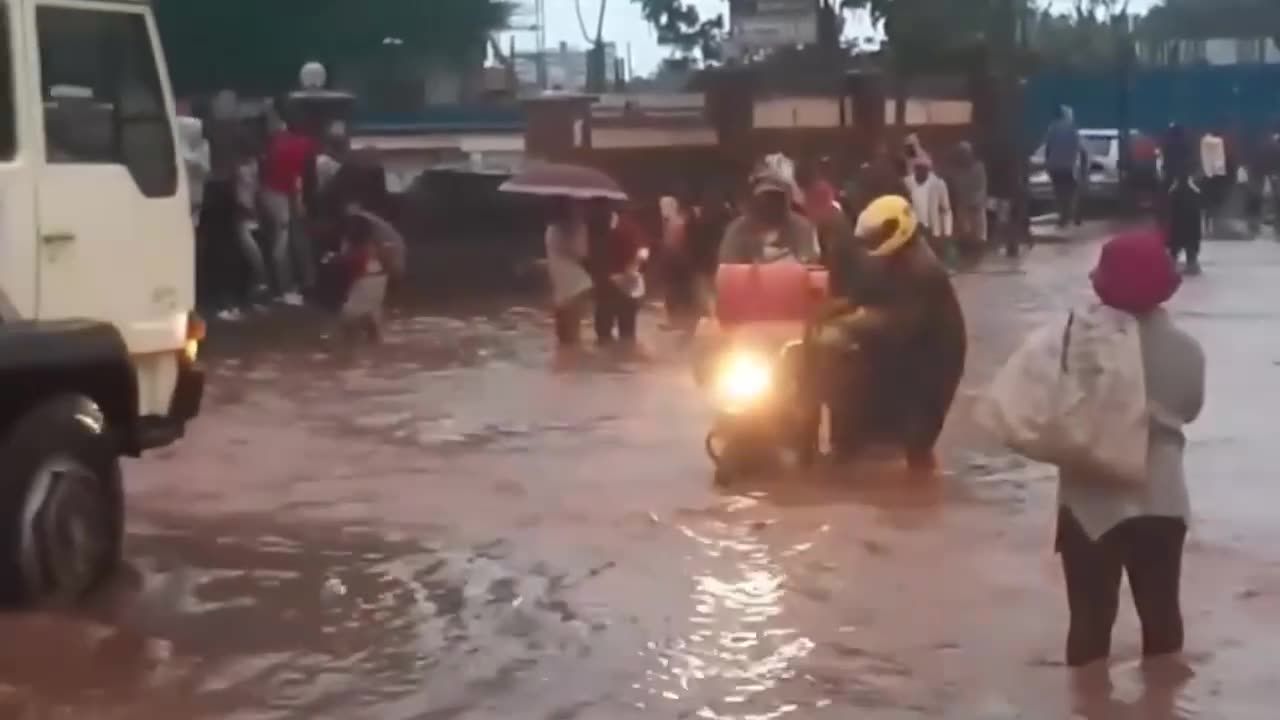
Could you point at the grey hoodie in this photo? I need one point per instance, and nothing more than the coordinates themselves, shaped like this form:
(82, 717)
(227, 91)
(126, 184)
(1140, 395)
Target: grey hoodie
(746, 241)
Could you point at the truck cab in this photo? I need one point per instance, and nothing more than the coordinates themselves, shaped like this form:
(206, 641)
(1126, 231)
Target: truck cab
(98, 337)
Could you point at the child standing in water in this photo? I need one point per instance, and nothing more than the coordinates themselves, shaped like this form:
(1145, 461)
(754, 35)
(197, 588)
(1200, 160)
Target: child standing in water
(367, 273)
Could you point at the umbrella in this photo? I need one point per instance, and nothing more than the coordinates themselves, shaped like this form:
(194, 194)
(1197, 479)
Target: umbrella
(564, 180)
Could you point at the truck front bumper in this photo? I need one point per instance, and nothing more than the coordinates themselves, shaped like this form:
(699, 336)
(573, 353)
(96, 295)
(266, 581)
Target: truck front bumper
(157, 431)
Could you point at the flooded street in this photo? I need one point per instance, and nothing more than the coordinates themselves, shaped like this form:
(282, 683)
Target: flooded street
(453, 526)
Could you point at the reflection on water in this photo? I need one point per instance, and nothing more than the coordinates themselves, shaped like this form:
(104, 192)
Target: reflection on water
(853, 596)
(299, 627)
(738, 652)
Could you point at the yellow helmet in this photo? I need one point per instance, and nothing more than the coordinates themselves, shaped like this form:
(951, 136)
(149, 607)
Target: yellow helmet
(887, 224)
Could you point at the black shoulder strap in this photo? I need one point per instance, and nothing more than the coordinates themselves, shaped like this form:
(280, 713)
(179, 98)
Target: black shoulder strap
(1066, 340)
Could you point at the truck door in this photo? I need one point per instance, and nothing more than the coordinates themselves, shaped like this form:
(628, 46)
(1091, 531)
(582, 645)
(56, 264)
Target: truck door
(17, 197)
(115, 237)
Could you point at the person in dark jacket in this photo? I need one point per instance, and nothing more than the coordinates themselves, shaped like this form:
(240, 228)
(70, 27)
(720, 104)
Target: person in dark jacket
(1176, 151)
(1062, 151)
(1185, 222)
(1183, 201)
(707, 224)
(882, 176)
(905, 326)
(1269, 167)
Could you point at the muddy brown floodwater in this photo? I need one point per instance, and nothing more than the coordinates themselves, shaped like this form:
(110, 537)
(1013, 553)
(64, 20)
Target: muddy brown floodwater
(452, 527)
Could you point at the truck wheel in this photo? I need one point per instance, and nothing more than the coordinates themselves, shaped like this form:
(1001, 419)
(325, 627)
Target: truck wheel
(61, 504)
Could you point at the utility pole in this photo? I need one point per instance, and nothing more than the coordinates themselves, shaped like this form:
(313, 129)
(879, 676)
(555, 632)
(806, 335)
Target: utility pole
(1126, 58)
(538, 26)
(597, 68)
(1011, 35)
(540, 13)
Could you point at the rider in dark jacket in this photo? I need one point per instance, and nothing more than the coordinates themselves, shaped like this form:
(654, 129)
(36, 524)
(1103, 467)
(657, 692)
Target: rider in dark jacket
(901, 318)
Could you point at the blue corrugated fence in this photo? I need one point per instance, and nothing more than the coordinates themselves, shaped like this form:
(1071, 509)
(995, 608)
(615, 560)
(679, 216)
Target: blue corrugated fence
(1241, 98)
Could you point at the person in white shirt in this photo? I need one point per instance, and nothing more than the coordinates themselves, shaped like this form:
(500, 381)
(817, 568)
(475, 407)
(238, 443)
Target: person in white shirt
(1217, 178)
(931, 200)
(566, 243)
(196, 158)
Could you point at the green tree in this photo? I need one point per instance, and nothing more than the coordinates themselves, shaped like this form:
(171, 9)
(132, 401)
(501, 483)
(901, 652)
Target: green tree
(683, 29)
(927, 35)
(1091, 35)
(257, 46)
(1194, 19)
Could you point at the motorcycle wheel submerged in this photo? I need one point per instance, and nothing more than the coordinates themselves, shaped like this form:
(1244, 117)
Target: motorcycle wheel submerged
(737, 460)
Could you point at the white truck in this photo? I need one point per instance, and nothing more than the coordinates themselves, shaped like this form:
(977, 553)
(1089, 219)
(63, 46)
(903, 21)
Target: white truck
(98, 338)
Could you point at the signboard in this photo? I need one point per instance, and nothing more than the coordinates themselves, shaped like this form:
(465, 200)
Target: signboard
(765, 24)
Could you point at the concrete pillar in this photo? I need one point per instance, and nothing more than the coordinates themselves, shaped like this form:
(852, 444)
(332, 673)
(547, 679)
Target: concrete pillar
(731, 107)
(553, 123)
(867, 96)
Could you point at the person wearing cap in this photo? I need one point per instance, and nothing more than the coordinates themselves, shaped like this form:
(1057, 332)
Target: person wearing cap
(770, 230)
(1107, 529)
(907, 330)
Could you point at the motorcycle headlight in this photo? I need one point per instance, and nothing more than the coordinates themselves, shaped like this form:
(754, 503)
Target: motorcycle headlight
(743, 380)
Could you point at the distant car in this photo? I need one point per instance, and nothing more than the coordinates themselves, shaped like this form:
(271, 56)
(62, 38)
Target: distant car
(1103, 184)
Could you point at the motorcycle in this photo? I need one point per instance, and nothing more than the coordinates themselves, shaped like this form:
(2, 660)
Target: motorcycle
(766, 411)
(760, 374)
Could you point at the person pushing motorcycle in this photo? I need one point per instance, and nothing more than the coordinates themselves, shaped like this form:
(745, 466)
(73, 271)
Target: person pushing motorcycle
(895, 340)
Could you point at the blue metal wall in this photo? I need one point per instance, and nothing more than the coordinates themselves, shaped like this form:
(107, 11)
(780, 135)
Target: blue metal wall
(443, 118)
(1243, 98)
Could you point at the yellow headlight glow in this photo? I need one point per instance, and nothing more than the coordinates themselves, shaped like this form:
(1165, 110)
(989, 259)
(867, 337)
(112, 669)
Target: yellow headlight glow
(744, 379)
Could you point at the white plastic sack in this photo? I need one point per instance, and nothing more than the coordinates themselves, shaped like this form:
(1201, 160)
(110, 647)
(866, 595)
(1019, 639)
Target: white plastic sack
(1075, 395)
(366, 298)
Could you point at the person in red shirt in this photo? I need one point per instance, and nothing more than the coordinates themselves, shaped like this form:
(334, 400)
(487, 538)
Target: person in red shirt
(822, 207)
(288, 156)
(819, 195)
(618, 248)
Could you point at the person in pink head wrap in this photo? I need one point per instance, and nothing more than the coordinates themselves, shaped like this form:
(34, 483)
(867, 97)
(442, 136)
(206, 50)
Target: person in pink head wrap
(1107, 529)
(1135, 273)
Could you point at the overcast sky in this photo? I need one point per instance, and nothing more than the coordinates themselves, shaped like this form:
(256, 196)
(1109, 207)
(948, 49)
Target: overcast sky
(625, 26)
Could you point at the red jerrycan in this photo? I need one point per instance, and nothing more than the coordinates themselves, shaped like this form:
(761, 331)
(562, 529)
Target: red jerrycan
(768, 293)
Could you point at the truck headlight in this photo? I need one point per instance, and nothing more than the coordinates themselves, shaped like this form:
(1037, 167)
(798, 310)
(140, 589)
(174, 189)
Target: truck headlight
(196, 332)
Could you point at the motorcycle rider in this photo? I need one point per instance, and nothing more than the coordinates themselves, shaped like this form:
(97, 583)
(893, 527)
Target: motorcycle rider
(770, 230)
(906, 330)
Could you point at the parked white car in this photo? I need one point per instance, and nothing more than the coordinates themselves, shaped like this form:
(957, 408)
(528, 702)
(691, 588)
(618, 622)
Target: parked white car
(1103, 183)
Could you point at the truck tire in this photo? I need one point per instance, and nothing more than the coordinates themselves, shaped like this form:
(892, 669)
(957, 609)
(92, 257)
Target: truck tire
(61, 504)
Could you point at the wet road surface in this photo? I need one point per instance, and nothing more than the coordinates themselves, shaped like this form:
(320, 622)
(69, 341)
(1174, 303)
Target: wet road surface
(456, 526)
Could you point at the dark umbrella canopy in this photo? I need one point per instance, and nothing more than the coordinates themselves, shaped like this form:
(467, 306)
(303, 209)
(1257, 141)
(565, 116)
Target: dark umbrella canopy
(564, 180)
